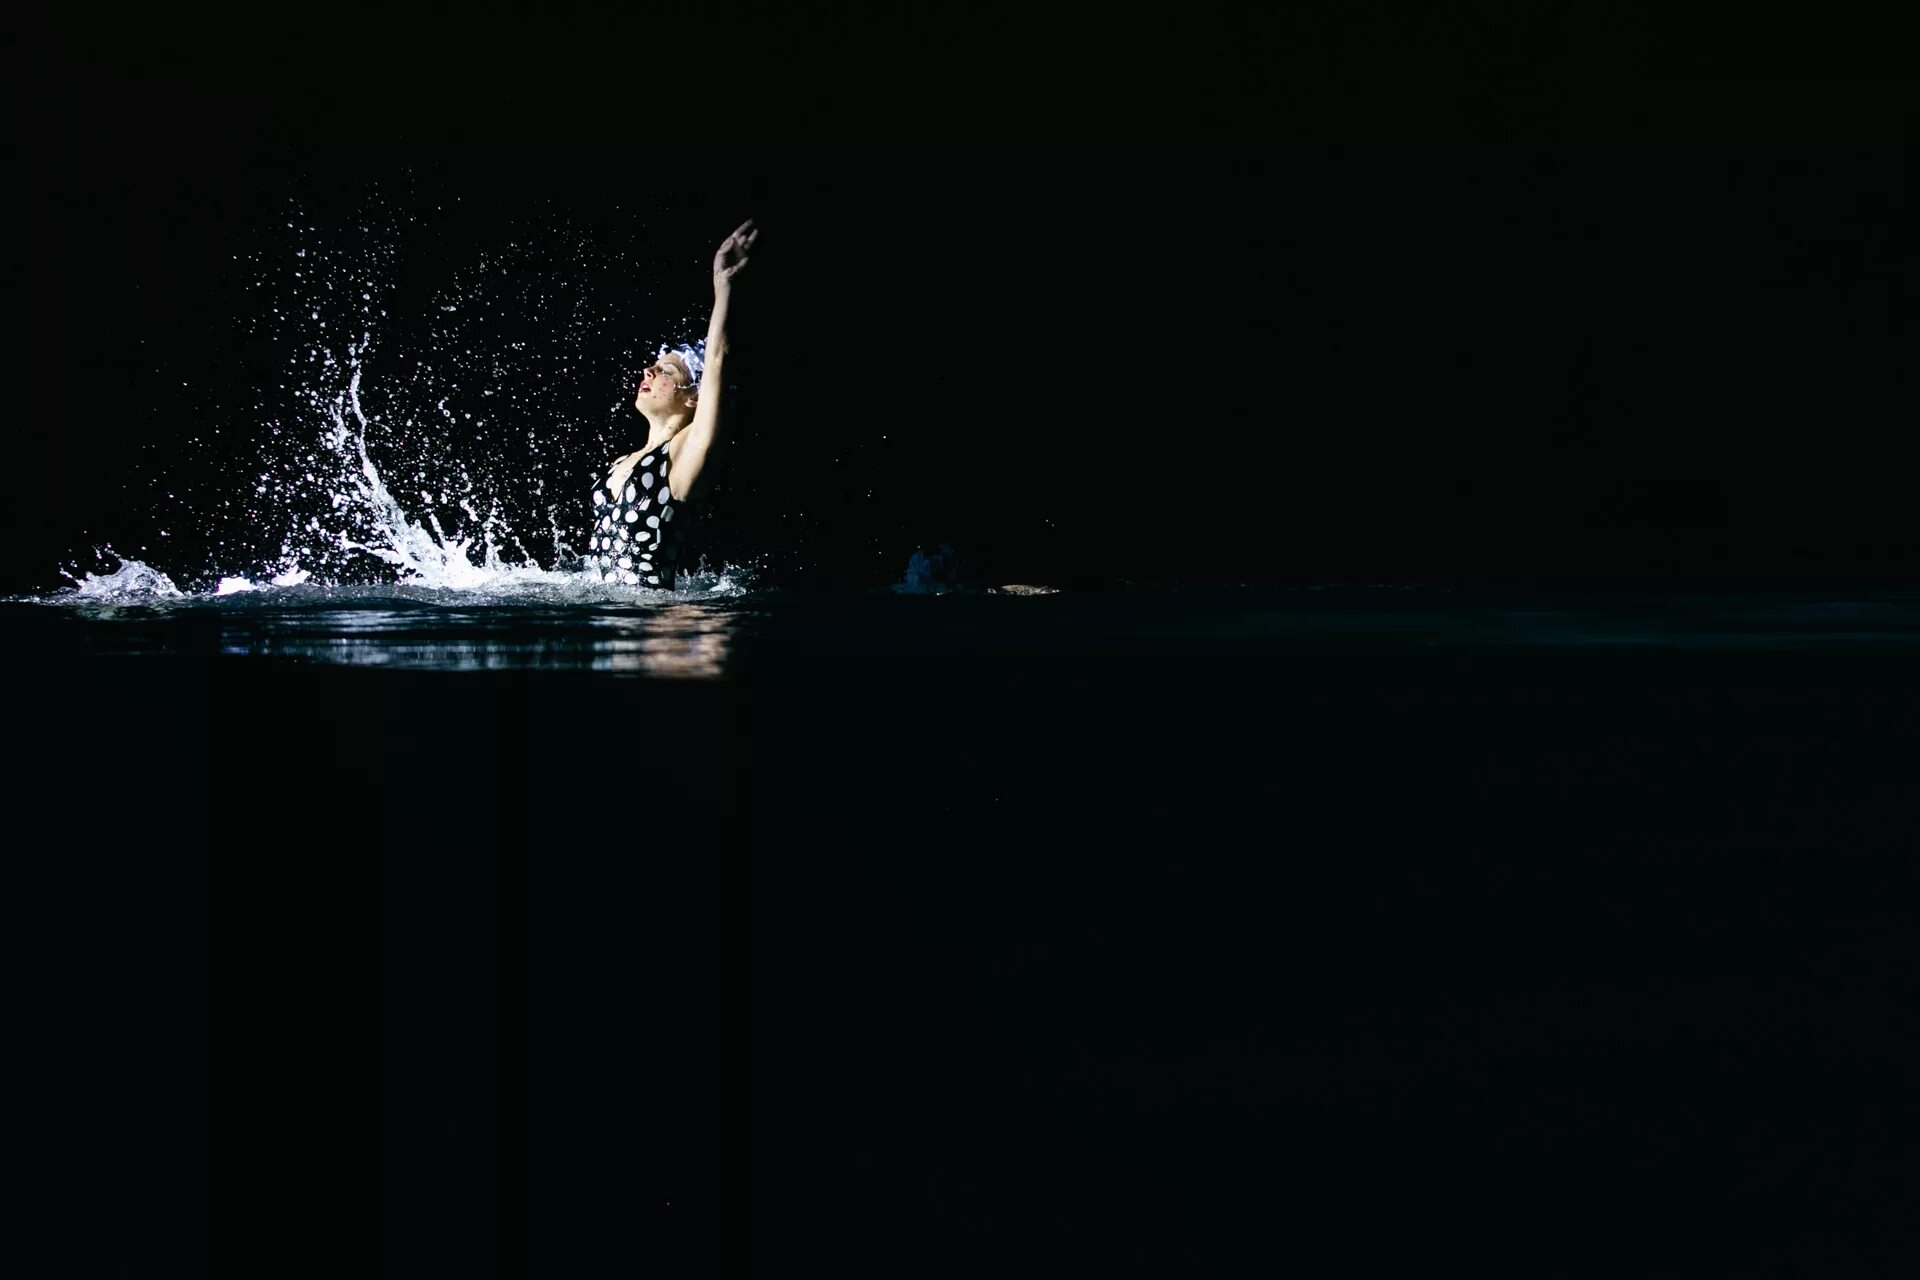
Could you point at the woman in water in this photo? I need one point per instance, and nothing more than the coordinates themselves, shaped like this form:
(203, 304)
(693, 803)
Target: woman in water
(636, 539)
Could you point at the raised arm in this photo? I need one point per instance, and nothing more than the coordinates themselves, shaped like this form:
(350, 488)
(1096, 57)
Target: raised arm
(707, 422)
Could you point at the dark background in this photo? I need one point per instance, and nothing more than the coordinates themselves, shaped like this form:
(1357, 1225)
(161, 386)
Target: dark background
(1484, 297)
(1326, 960)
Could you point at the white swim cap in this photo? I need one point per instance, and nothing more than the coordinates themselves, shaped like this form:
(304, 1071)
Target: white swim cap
(694, 357)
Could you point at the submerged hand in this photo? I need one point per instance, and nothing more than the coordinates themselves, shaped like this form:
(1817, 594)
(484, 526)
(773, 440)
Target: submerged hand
(732, 255)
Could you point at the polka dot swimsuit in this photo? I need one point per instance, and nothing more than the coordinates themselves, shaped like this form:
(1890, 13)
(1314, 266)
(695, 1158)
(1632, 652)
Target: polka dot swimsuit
(634, 540)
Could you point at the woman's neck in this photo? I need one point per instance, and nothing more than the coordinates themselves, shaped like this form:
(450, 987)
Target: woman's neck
(664, 428)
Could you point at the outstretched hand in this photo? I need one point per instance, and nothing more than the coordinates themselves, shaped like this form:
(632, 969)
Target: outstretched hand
(732, 256)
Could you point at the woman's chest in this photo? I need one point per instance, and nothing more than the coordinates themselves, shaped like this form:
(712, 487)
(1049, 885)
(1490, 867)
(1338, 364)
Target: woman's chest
(638, 506)
(633, 538)
(646, 470)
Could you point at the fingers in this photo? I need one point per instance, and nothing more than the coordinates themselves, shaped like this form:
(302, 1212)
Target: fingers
(732, 254)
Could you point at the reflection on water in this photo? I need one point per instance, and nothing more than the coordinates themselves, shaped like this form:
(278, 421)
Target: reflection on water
(721, 637)
(681, 641)
(504, 618)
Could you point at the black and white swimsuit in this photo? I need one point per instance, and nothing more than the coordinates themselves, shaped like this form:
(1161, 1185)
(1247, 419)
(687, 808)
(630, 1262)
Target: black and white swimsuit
(634, 539)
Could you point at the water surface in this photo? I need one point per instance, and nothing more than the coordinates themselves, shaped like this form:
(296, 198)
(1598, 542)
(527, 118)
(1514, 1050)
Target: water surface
(716, 633)
(1189, 931)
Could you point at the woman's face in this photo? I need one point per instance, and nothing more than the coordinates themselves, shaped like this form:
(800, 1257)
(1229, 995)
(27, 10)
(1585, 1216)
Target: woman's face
(663, 386)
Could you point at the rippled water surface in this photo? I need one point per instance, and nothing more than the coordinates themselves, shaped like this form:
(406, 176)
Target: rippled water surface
(862, 914)
(563, 624)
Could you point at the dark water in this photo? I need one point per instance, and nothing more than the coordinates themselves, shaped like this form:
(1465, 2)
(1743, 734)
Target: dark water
(1161, 933)
(731, 634)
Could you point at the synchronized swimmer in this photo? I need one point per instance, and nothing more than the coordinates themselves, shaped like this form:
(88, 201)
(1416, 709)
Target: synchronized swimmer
(639, 512)
(635, 539)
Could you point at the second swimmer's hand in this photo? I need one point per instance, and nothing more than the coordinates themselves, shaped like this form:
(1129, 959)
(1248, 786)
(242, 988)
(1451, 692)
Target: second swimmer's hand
(731, 258)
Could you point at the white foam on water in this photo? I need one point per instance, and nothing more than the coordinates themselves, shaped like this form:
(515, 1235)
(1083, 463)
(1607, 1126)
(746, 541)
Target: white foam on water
(134, 582)
(131, 581)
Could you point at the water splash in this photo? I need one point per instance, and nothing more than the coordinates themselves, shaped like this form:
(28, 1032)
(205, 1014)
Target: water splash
(424, 460)
(131, 582)
(424, 554)
(934, 574)
(135, 582)
(426, 561)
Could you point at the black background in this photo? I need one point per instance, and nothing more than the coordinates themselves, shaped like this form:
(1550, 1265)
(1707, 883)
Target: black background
(1315, 300)
(1507, 293)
